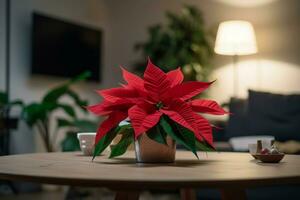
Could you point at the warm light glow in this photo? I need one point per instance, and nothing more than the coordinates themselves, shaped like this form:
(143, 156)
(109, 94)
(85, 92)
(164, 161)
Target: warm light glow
(235, 38)
(246, 3)
(257, 74)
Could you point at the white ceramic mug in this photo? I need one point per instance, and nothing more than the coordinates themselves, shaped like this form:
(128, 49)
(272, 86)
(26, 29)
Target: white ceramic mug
(87, 141)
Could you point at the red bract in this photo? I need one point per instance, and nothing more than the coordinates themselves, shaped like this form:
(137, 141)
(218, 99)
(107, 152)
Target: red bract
(144, 101)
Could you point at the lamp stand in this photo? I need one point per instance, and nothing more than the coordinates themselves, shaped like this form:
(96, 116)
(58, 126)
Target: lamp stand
(235, 76)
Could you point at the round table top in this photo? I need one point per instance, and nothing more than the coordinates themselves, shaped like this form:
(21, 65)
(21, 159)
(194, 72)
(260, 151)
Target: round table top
(211, 170)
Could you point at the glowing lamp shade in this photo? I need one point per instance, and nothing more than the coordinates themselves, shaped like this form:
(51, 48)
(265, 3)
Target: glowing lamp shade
(235, 38)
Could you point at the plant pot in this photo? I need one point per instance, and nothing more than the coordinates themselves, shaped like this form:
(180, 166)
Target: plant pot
(150, 151)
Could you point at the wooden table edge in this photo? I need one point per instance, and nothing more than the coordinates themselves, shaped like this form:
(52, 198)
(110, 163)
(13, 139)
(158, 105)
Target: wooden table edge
(141, 185)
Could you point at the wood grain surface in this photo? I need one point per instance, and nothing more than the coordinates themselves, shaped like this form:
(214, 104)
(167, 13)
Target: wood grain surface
(214, 170)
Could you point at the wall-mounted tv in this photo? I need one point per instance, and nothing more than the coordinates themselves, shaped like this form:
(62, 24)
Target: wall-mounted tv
(64, 49)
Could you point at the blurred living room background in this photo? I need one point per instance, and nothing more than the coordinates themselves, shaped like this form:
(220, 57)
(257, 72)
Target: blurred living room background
(41, 105)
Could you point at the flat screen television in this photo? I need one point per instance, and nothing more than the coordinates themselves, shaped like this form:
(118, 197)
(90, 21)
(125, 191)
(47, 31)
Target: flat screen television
(65, 49)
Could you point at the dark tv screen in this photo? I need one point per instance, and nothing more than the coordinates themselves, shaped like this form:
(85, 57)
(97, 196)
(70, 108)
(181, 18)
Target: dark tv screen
(65, 49)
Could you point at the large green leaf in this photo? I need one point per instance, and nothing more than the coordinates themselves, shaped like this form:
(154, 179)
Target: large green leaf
(81, 77)
(157, 134)
(54, 94)
(123, 144)
(33, 112)
(57, 92)
(68, 109)
(39, 111)
(63, 123)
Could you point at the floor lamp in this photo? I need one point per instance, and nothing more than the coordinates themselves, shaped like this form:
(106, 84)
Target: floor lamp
(235, 38)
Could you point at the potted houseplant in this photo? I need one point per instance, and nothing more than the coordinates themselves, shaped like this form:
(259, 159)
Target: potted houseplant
(182, 40)
(158, 108)
(39, 114)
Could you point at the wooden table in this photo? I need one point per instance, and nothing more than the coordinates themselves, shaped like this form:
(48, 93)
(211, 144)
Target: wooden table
(230, 172)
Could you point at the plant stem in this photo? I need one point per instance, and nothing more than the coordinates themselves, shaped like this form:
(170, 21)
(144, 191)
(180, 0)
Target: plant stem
(41, 130)
(47, 135)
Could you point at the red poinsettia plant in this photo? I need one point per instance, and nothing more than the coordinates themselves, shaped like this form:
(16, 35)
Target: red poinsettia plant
(159, 105)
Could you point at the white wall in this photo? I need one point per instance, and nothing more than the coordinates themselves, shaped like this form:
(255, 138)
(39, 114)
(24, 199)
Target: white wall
(31, 88)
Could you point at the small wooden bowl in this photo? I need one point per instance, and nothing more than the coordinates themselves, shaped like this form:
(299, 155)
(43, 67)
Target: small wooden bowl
(270, 158)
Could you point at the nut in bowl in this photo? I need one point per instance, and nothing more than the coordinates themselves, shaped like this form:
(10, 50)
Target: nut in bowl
(270, 158)
(265, 151)
(269, 155)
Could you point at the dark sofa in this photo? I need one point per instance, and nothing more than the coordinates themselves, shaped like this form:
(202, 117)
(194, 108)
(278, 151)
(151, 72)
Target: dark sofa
(265, 114)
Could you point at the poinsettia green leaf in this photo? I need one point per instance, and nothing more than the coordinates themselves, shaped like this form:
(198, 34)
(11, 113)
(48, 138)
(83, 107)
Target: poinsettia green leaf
(176, 135)
(120, 148)
(157, 134)
(203, 146)
(123, 129)
(105, 141)
(108, 138)
(188, 137)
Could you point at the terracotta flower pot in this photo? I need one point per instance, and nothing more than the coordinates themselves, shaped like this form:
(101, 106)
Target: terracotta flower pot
(150, 151)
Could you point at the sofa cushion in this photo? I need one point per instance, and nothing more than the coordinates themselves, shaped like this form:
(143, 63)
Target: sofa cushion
(237, 123)
(274, 114)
